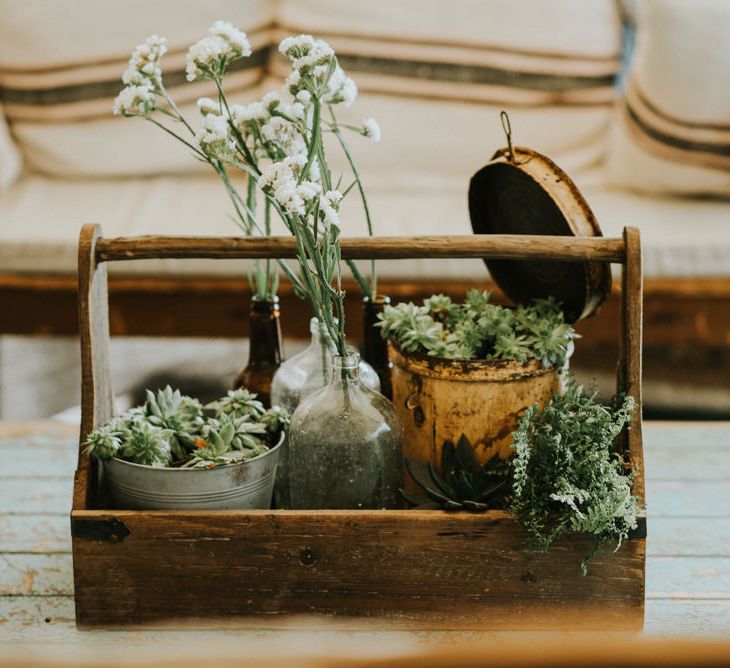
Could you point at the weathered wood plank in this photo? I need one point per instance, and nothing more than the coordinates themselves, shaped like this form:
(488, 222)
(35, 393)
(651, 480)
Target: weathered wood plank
(695, 465)
(23, 618)
(495, 246)
(686, 436)
(49, 496)
(36, 432)
(26, 614)
(683, 499)
(47, 460)
(688, 577)
(695, 576)
(683, 618)
(416, 567)
(688, 537)
(36, 575)
(42, 534)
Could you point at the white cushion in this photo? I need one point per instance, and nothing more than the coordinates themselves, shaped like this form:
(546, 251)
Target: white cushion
(40, 220)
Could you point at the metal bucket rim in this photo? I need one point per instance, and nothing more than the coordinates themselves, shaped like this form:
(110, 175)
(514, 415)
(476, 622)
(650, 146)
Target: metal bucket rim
(258, 458)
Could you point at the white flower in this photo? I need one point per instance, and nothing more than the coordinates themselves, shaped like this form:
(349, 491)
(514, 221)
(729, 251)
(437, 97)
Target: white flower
(238, 43)
(207, 106)
(296, 46)
(370, 128)
(304, 97)
(271, 100)
(214, 137)
(340, 88)
(329, 207)
(293, 82)
(143, 68)
(295, 110)
(281, 180)
(306, 53)
(209, 56)
(245, 113)
(135, 101)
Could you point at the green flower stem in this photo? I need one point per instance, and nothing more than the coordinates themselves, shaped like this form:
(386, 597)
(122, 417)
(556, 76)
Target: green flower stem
(371, 289)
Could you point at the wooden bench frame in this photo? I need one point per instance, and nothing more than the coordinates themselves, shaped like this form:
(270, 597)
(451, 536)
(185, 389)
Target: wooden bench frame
(423, 569)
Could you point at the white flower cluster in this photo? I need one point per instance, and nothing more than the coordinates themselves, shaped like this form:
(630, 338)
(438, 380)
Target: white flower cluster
(209, 56)
(135, 101)
(370, 128)
(214, 137)
(143, 68)
(329, 207)
(281, 180)
(340, 88)
(207, 106)
(313, 72)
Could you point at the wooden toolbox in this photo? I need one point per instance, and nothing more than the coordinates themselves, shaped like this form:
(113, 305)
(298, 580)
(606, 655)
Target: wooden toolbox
(402, 568)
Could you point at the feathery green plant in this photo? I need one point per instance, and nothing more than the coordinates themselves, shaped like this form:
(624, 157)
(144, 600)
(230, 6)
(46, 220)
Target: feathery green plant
(566, 474)
(478, 329)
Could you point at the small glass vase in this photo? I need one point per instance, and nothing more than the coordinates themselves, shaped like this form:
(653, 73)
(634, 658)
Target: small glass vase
(345, 445)
(264, 351)
(297, 378)
(374, 346)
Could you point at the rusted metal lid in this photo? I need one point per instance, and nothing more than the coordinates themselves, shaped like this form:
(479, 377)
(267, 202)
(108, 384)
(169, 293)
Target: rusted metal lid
(521, 191)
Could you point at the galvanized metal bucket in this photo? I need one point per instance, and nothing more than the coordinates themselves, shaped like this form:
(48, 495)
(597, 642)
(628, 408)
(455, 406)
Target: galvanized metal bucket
(246, 485)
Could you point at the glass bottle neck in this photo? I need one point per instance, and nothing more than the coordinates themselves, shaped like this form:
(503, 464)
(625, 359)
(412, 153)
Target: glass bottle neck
(345, 368)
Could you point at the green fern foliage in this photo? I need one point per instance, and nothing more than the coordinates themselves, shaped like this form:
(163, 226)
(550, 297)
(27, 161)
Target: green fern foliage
(566, 475)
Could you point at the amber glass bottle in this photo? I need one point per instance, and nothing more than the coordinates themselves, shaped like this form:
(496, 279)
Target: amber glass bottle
(374, 347)
(264, 356)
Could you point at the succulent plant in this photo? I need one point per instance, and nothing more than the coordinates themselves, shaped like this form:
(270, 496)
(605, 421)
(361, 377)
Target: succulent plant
(217, 447)
(180, 414)
(238, 403)
(247, 433)
(104, 442)
(478, 329)
(172, 429)
(148, 444)
(462, 484)
(276, 419)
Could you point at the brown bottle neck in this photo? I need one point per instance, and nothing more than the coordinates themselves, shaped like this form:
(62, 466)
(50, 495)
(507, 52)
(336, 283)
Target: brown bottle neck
(373, 347)
(264, 333)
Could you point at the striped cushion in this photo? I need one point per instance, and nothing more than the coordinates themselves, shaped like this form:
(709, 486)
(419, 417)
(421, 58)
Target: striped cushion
(10, 160)
(434, 73)
(673, 129)
(58, 91)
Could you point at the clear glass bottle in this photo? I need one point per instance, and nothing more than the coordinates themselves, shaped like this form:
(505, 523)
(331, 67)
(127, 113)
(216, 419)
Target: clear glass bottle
(296, 378)
(345, 445)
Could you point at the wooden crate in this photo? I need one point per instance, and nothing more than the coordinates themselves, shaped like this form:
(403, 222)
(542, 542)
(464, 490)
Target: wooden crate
(399, 568)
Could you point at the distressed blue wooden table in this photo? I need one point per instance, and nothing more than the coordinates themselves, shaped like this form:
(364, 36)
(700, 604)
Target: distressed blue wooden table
(688, 565)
